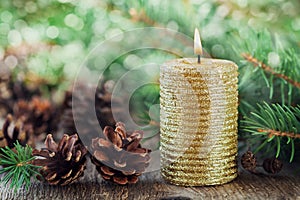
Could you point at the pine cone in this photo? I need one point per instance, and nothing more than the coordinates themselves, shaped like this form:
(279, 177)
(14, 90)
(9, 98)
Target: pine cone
(5, 97)
(11, 91)
(13, 131)
(104, 102)
(119, 156)
(249, 161)
(272, 165)
(83, 97)
(64, 162)
(38, 113)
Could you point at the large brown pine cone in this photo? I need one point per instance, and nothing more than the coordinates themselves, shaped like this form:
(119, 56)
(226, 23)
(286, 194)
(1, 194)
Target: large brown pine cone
(119, 156)
(38, 113)
(62, 163)
(82, 98)
(13, 131)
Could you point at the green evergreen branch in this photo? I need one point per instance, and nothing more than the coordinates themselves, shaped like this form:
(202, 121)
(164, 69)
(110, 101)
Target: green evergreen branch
(274, 123)
(17, 167)
(269, 69)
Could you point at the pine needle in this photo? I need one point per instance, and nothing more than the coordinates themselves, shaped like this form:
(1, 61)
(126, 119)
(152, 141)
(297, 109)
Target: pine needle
(17, 167)
(275, 123)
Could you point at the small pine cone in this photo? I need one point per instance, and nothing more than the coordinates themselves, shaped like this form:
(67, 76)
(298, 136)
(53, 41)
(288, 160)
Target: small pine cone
(13, 131)
(11, 91)
(86, 125)
(249, 161)
(39, 113)
(83, 98)
(6, 100)
(119, 156)
(104, 103)
(62, 163)
(272, 165)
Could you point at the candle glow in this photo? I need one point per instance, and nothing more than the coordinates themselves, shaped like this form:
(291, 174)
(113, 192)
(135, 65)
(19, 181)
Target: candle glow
(197, 43)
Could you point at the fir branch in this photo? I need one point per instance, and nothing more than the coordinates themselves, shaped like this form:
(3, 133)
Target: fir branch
(270, 124)
(272, 133)
(17, 166)
(269, 69)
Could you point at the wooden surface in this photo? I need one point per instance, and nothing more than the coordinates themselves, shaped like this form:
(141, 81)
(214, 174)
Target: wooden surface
(285, 185)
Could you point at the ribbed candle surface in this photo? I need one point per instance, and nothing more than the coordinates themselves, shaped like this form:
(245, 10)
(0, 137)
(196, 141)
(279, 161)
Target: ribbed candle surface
(198, 121)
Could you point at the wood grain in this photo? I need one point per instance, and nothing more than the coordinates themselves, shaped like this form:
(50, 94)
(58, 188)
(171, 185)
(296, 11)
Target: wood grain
(285, 185)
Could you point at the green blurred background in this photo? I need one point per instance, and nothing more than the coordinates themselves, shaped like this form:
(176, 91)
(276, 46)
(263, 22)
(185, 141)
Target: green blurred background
(52, 37)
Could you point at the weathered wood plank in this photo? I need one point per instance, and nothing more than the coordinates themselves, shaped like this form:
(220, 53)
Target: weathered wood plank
(285, 185)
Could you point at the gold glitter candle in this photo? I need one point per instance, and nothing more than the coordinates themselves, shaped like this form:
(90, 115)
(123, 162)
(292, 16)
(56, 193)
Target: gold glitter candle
(198, 120)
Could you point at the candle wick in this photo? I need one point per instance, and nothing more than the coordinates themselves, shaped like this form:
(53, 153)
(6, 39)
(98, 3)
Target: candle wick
(199, 59)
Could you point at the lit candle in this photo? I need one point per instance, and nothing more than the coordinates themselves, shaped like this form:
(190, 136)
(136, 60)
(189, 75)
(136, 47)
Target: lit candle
(197, 45)
(198, 102)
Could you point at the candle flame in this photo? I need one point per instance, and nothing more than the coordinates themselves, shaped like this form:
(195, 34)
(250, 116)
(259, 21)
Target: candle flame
(197, 43)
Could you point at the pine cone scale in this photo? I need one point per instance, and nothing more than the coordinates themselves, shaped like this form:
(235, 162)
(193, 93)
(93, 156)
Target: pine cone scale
(54, 182)
(132, 145)
(120, 164)
(120, 129)
(13, 130)
(133, 179)
(100, 156)
(41, 153)
(119, 156)
(107, 170)
(40, 162)
(77, 156)
(129, 172)
(112, 136)
(51, 176)
(79, 172)
(120, 180)
(104, 143)
(67, 174)
(62, 163)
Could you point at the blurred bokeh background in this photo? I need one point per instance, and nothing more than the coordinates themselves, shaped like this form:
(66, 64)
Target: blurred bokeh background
(52, 37)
